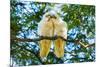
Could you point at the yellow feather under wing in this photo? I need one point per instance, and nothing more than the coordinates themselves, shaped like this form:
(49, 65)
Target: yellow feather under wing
(45, 29)
(44, 48)
(59, 47)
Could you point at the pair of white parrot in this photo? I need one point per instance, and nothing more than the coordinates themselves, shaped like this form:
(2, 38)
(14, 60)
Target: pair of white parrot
(52, 25)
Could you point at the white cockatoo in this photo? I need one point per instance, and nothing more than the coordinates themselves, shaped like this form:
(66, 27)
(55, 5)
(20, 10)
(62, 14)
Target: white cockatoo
(52, 25)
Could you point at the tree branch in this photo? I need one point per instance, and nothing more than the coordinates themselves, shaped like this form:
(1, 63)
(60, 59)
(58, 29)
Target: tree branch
(49, 38)
(36, 39)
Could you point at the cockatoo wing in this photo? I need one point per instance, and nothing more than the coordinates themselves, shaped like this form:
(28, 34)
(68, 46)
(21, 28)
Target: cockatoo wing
(44, 29)
(59, 44)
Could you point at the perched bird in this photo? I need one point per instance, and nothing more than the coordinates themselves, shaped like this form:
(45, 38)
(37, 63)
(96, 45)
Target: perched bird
(52, 25)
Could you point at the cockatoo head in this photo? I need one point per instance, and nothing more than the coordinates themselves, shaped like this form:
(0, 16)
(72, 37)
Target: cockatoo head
(50, 15)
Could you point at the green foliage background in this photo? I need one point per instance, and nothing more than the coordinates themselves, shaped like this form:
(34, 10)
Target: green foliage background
(24, 18)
